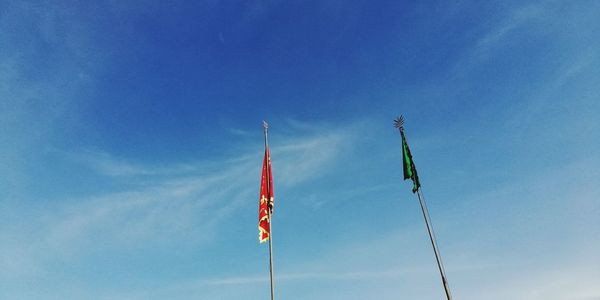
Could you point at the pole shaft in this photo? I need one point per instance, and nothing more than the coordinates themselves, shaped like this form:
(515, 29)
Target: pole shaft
(271, 259)
(434, 244)
(266, 126)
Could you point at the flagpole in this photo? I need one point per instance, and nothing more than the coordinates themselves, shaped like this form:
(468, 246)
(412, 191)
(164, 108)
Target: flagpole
(266, 126)
(399, 123)
(438, 258)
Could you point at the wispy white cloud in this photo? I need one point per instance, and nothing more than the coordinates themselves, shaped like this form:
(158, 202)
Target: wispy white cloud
(180, 201)
(306, 276)
(105, 164)
(309, 156)
(514, 21)
(39, 89)
(555, 281)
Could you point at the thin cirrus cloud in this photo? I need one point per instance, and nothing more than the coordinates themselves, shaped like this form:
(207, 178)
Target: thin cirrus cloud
(511, 174)
(517, 18)
(167, 204)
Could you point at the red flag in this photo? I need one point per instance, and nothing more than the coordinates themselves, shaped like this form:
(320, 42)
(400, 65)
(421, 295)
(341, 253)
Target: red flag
(265, 206)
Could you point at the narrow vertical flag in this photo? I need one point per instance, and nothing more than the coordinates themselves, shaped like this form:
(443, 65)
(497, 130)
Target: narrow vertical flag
(265, 206)
(410, 171)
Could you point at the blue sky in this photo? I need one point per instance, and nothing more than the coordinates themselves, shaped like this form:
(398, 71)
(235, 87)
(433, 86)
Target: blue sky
(131, 148)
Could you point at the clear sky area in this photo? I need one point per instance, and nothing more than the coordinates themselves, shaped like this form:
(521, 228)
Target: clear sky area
(131, 147)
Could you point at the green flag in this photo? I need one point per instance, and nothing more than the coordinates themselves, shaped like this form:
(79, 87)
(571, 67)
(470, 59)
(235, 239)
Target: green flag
(409, 165)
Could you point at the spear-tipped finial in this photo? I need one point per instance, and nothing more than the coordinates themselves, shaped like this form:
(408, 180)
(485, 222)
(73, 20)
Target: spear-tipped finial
(265, 124)
(399, 122)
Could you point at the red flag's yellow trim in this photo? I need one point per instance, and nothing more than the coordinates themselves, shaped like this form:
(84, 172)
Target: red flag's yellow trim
(264, 222)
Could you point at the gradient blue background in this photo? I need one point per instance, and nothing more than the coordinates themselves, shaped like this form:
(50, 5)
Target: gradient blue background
(131, 148)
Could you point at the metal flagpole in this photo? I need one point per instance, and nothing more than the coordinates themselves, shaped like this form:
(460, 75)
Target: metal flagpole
(266, 126)
(438, 259)
(398, 123)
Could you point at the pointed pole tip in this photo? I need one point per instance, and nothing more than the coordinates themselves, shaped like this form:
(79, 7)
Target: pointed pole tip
(265, 124)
